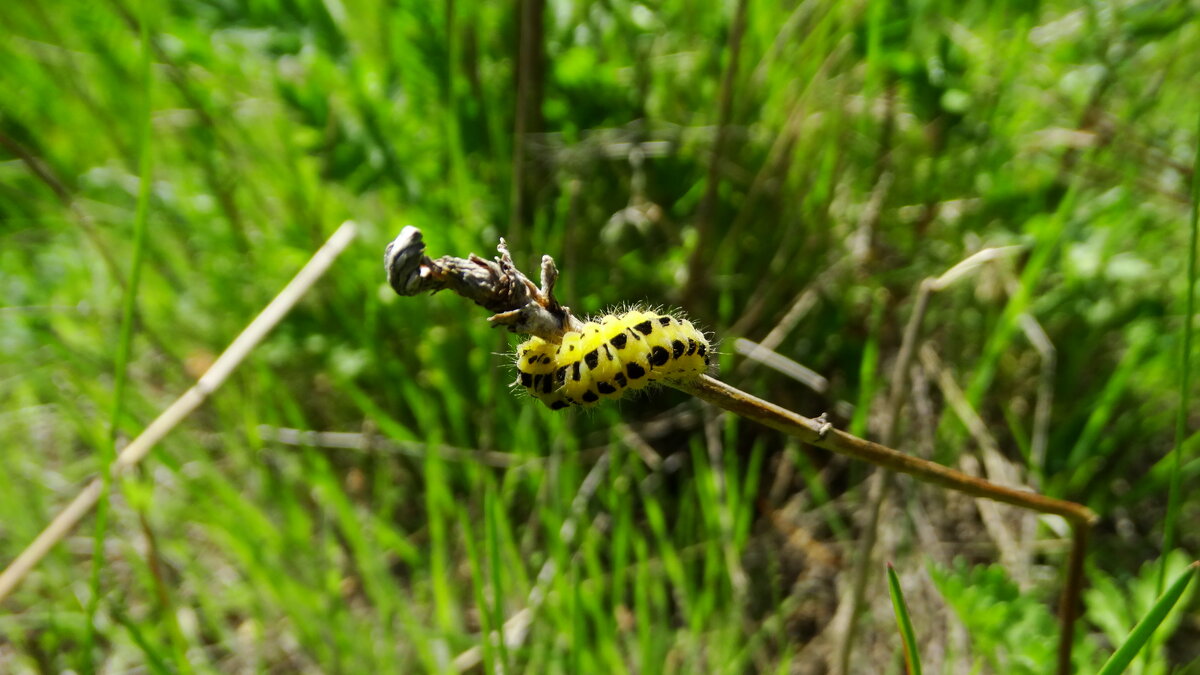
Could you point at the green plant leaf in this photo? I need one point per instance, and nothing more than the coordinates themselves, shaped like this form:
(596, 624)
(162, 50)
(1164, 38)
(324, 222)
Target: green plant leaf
(1145, 628)
(1116, 602)
(912, 659)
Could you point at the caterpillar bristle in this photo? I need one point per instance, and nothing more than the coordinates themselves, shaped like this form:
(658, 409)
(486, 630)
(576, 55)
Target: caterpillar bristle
(617, 352)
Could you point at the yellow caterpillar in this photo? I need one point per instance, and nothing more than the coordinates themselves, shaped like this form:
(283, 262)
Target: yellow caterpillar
(607, 357)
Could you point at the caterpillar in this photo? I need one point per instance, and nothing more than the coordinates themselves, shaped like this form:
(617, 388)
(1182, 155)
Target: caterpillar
(619, 352)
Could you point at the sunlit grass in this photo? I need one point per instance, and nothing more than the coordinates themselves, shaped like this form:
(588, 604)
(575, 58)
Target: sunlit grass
(694, 544)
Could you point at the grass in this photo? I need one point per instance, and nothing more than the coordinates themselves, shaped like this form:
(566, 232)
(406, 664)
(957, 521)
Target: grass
(912, 658)
(128, 307)
(870, 145)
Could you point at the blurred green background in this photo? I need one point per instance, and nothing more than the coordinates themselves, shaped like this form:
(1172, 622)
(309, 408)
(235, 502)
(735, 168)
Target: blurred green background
(784, 172)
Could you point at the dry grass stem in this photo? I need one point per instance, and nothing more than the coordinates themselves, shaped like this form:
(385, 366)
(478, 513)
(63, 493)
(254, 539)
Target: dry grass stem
(881, 483)
(191, 399)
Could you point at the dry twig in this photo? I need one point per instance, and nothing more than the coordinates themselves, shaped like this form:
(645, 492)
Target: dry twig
(191, 399)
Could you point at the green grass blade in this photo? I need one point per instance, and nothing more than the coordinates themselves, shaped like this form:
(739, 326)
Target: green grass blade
(108, 448)
(868, 367)
(154, 660)
(486, 625)
(1145, 628)
(492, 554)
(1181, 433)
(1175, 480)
(912, 658)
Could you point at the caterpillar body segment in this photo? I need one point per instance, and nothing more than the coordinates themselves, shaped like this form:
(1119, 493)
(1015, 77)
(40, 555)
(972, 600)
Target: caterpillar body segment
(536, 367)
(619, 352)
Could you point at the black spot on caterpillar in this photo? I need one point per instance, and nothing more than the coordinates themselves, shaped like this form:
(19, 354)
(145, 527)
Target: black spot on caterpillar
(618, 352)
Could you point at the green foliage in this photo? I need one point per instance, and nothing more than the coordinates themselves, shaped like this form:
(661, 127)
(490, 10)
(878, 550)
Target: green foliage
(1014, 632)
(1117, 605)
(870, 146)
(1010, 631)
